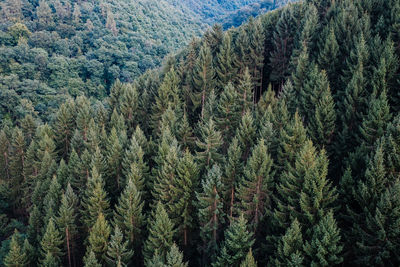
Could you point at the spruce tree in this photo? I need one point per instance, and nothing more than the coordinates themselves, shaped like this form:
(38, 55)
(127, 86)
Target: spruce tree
(95, 200)
(256, 41)
(161, 231)
(209, 145)
(226, 65)
(238, 241)
(114, 163)
(175, 257)
(246, 134)
(229, 112)
(118, 253)
(90, 260)
(255, 191)
(129, 107)
(249, 261)
(51, 244)
(211, 215)
(128, 214)
(67, 222)
(64, 127)
(246, 92)
(232, 176)
(16, 256)
(290, 247)
(324, 248)
(98, 238)
(203, 78)
(185, 184)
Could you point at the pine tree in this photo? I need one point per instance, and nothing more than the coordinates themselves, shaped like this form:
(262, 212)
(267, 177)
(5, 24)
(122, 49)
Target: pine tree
(95, 200)
(134, 164)
(328, 55)
(246, 134)
(51, 201)
(184, 188)
(128, 215)
(290, 247)
(129, 107)
(118, 252)
(185, 134)
(203, 78)
(167, 96)
(16, 257)
(209, 145)
(114, 162)
(211, 215)
(90, 260)
(324, 248)
(283, 45)
(175, 257)
(161, 231)
(51, 244)
(246, 92)
(17, 162)
(226, 62)
(64, 127)
(304, 193)
(256, 40)
(75, 168)
(255, 191)
(98, 238)
(232, 176)
(67, 222)
(292, 138)
(229, 112)
(249, 261)
(322, 126)
(238, 241)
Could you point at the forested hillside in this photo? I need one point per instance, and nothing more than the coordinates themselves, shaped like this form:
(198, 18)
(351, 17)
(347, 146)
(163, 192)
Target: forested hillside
(273, 144)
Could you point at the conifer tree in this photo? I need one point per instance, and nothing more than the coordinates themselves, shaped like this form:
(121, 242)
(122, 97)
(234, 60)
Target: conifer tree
(118, 253)
(211, 215)
(203, 78)
(4, 155)
(238, 241)
(232, 176)
(226, 62)
(51, 201)
(90, 260)
(167, 96)
(161, 231)
(175, 257)
(246, 133)
(128, 215)
(98, 238)
(283, 45)
(185, 134)
(16, 256)
(185, 184)
(16, 166)
(328, 55)
(209, 145)
(64, 127)
(129, 107)
(290, 247)
(324, 248)
(249, 261)
(292, 138)
(246, 92)
(67, 222)
(322, 126)
(95, 200)
(229, 112)
(256, 41)
(254, 193)
(114, 162)
(51, 244)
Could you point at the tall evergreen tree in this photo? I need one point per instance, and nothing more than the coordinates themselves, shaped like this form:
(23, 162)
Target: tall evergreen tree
(226, 62)
(203, 78)
(209, 145)
(118, 253)
(254, 193)
(211, 215)
(98, 238)
(175, 257)
(51, 244)
(16, 257)
(161, 231)
(238, 241)
(249, 261)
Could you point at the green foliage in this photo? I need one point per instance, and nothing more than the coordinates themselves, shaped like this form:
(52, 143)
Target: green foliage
(118, 253)
(238, 240)
(161, 231)
(16, 257)
(209, 145)
(51, 245)
(98, 242)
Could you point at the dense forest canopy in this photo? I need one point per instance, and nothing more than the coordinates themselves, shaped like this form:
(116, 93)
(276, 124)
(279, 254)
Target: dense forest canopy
(50, 50)
(275, 143)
